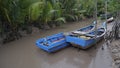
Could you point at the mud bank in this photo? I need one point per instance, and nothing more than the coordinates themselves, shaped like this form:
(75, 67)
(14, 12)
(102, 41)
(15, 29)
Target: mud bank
(115, 52)
(23, 53)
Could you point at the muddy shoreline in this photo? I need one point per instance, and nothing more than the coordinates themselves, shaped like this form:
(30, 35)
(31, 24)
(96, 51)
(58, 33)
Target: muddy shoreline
(115, 53)
(23, 53)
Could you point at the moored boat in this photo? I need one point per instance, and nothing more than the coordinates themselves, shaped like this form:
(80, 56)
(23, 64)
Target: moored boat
(85, 30)
(87, 40)
(111, 19)
(52, 43)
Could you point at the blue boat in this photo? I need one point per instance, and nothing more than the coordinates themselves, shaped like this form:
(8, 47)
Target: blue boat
(52, 43)
(87, 40)
(85, 30)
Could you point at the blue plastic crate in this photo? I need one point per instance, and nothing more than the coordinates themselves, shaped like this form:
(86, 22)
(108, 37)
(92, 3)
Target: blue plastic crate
(52, 43)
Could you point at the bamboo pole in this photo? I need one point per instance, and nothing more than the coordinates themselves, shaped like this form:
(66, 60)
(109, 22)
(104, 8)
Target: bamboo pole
(96, 18)
(106, 12)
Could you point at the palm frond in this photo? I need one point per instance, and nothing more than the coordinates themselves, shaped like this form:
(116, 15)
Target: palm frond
(70, 16)
(7, 16)
(35, 10)
(61, 19)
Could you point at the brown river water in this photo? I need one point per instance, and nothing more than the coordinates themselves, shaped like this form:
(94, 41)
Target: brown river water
(23, 53)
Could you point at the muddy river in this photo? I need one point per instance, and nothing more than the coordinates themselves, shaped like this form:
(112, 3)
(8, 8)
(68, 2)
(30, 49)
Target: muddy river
(23, 53)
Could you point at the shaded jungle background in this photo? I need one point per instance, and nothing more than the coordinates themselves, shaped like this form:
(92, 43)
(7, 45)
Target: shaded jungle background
(20, 16)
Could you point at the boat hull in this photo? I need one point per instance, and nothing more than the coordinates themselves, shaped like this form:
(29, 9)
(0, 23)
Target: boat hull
(89, 39)
(82, 43)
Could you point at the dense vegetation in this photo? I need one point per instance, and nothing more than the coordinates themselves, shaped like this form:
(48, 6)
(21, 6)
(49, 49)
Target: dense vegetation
(17, 16)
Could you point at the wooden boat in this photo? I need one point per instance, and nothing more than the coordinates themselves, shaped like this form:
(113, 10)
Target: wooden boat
(85, 30)
(111, 19)
(52, 43)
(87, 40)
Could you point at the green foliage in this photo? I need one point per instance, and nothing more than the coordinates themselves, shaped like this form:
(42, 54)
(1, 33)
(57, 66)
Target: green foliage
(88, 6)
(71, 9)
(21, 14)
(113, 5)
(35, 10)
(46, 11)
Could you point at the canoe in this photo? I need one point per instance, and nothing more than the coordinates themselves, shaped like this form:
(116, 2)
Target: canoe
(87, 40)
(85, 30)
(52, 43)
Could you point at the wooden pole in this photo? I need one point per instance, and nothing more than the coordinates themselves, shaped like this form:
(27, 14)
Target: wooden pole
(106, 12)
(96, 18)
(95, 15)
